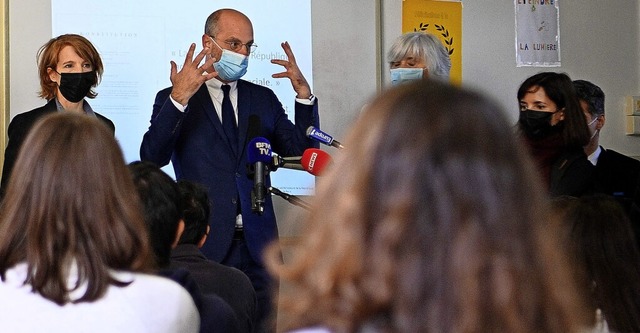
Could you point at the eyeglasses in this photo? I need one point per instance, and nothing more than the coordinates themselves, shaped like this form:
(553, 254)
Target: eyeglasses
(236, 46)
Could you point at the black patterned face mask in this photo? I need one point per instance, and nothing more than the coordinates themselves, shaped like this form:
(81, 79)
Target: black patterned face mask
(75, 86)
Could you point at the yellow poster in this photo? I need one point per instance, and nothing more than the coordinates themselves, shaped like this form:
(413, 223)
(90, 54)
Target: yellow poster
(440, 18)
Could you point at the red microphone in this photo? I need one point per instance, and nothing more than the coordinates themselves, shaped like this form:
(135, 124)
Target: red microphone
(315, 161)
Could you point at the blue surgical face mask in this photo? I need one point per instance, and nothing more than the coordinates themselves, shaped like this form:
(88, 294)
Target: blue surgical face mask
(231, 66)
(402, 75)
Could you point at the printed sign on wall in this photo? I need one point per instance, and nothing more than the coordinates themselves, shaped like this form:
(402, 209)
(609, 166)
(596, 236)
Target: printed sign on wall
(537, 33)
(440, 18)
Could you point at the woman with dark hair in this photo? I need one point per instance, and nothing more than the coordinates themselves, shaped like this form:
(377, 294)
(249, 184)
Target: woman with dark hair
(431, 220)
(600, 238)
(74, 251)
(554, 128)
(69, 67)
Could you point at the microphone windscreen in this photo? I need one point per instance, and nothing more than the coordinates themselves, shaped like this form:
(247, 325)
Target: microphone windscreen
(315, 161)
(259, 150)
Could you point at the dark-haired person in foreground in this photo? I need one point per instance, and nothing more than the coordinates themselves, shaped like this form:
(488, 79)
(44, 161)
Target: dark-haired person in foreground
(159, 196)
(229, 283)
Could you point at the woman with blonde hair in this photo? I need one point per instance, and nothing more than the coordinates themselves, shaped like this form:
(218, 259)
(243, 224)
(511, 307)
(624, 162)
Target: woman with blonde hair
(74, 254)
(431, 220)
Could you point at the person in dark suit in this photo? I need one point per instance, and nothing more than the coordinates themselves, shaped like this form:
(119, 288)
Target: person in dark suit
(233, 286)
(69, 67)
(188, 128)
(616, 174)
(159, 196)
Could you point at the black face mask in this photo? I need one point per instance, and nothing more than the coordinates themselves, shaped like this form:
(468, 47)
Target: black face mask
(536, 124)
(75, 86)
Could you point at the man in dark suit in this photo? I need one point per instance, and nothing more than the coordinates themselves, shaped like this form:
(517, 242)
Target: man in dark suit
(233, 286)
(616, 174)
(188, 129)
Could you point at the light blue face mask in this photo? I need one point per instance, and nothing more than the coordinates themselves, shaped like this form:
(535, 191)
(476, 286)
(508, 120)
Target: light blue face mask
(402, 75)
(231, 66)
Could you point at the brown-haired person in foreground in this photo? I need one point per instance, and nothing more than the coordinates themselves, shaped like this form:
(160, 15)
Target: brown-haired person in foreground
(431, 220)
(74, 253)
(598, 234)
(69, 67)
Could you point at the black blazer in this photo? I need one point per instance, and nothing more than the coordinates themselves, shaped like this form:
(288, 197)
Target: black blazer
(572, 174)
(616, 174)
(231, 284)
(19, 128)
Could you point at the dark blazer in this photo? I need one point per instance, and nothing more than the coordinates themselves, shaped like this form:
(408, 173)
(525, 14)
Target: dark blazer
(231, 284)
(195, 143)
(19, 128)
(215, 314)
(571, 174)
(616, 174)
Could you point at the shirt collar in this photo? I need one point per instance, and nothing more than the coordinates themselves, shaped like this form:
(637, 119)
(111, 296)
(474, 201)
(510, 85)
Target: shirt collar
(85, 107)
(593, 158)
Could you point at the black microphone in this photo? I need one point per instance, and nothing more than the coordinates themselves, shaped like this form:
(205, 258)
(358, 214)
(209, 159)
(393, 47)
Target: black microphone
(259, 155)
(313, 161)
(290, 198)
(323, 137)
(285, 162)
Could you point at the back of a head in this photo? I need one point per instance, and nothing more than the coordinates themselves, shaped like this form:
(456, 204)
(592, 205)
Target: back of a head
(159, 196)
(592, 94)
(423, 46)
(426, 219)
(70, 199)
(194, 203)
(602, 240)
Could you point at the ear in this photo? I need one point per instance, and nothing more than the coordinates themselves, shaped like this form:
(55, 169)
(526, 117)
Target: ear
(204, 238)
(600, 122)
(179, 232)
(206, 41)
(53, 76)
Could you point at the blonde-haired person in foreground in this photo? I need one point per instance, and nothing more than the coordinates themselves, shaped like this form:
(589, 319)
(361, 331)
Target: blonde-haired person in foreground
(431, 220)
(73, 246)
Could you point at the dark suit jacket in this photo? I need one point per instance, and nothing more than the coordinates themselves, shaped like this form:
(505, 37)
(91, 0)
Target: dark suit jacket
(19, 128)
(231, 284)
(215, 314)
(195, 143)
(616, 174)
(572, 174)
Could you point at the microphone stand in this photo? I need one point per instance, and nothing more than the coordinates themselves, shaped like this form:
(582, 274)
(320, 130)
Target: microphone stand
(290, 198)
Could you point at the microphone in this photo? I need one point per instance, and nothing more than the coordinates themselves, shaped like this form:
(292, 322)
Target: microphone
(258, 155)
(278, 161)
(290, 198)
(313, 161)
(323, 137)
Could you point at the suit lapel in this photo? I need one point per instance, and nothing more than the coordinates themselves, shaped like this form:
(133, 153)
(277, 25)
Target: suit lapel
(244, 107)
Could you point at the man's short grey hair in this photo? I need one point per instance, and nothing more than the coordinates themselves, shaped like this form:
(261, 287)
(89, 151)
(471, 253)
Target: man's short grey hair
(425, 46)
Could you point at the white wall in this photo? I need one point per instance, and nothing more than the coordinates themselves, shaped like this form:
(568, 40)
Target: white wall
(599, 42)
